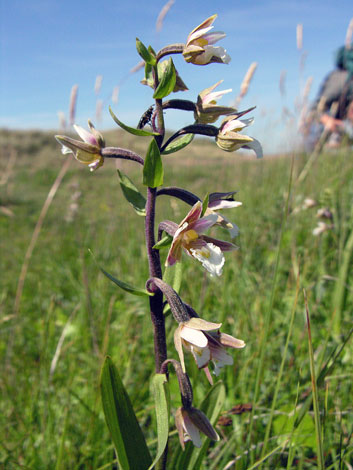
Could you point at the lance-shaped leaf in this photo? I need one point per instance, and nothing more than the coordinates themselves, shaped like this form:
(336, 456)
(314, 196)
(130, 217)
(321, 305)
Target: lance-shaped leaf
(160, 391)
(132, 194)
(153, 167)
(178, 144)
(167, 81)
(125, 286)
(144, 53)
(165, 241)
(131, 130)
(125, 431)
(205, 204)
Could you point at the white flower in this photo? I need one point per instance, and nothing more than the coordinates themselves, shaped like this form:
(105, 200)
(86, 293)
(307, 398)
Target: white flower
(207, 110)
(205, 342)
(199, 47)
(189, 237)
(87, 151)
(230, 139)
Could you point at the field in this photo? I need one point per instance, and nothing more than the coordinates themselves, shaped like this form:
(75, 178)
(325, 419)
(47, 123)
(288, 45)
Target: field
(57, 330)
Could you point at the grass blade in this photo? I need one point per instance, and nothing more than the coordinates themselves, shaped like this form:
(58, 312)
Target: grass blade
(320, 452)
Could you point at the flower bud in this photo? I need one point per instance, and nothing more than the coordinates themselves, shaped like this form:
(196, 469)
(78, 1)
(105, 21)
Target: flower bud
(189, 422)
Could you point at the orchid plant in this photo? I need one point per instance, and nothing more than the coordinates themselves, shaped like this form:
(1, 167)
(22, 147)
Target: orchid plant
(185, 240)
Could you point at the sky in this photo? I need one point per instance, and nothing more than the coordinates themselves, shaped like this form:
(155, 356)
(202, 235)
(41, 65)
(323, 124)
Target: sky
(47, 46)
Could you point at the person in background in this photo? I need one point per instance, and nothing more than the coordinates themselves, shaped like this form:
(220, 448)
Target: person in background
(333, 109)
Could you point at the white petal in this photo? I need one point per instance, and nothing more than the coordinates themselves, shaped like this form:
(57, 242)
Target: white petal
(197, 34)
(65, 150)
(211, 258)
(214, 37)
(214, 96)
(85, 135)
(194, 337)
(202, 356)
(224, 204)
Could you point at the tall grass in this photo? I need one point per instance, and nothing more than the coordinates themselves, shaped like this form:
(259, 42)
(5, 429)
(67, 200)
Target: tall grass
(71, 316)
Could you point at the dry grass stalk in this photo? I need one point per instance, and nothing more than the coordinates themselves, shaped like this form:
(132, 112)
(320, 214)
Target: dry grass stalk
(307, 88)
(36, 232)
(349, 34)
(247, 79)
(61, 342)
(98, 84)
(73, 101)
(299, 36)
(9, 167)
(115, 94)
(244, 87)
(62, 120)
(282, 83)
(99, 109)
(162, 15)
(137, 67)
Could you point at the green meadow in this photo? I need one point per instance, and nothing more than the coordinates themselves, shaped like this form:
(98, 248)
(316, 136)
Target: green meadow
(288, 395)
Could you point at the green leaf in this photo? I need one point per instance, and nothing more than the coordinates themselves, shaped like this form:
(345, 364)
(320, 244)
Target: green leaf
(148, 80)
(167, 81)
(178, 144)
(165, 241)
(160, 391)
(132, 130)
(152, 51)
(125, 431)
(302, 435)
(153, 167)
(144, 53)
(125, 286)
(205, 204)
(132, 194)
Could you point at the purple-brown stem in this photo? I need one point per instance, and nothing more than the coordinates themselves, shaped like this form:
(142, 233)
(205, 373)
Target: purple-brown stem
(155, 270)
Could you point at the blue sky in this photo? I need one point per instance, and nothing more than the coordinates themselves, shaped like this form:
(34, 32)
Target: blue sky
(47, 46)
